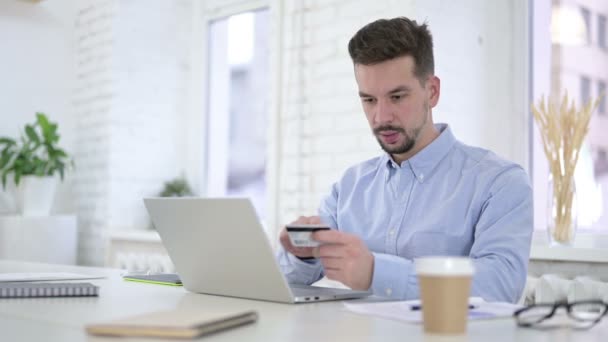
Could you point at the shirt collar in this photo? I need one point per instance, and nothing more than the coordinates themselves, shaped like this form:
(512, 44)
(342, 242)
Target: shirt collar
(425, 161)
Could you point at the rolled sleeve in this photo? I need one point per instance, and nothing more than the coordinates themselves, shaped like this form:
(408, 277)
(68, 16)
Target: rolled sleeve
(394, 277)
(299, 271)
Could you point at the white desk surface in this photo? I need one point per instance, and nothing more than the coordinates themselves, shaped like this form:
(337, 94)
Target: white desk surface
(63, 319)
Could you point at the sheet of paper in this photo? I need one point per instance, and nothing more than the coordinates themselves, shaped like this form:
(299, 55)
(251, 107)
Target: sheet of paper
(402, 310)
(7, 277)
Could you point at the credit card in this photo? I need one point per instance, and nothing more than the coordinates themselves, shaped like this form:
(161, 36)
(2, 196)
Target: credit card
(300, 235)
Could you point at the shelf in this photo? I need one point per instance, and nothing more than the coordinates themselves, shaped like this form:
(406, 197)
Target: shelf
(135, 235)
(590, 248)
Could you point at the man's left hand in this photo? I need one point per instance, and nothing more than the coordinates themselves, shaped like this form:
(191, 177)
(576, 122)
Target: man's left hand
(345, 258)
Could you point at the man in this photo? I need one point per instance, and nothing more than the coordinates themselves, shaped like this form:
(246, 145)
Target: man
(428, 195)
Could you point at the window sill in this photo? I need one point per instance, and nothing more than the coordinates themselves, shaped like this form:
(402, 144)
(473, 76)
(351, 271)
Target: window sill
(134, 235)
(590, 248)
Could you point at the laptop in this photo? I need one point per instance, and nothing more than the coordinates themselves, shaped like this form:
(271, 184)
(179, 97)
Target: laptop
(219, 247)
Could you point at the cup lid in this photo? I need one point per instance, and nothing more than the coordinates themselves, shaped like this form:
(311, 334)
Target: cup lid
(444, 266)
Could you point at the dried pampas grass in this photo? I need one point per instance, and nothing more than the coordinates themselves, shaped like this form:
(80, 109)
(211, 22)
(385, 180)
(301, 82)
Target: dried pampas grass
(563, 129)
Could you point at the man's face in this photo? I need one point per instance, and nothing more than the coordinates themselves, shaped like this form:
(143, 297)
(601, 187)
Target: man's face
(397, 105)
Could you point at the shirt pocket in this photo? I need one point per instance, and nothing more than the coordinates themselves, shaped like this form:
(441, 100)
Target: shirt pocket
(437, 243)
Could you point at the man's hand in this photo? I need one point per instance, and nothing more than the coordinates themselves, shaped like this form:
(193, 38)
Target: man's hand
(345, 258)
(300, 252)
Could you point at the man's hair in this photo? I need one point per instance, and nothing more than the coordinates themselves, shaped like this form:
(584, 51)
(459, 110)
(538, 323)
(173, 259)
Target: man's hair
(386, 39)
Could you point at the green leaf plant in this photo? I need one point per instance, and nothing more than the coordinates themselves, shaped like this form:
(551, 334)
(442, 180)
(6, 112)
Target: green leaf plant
(35, 153)
(177, 187)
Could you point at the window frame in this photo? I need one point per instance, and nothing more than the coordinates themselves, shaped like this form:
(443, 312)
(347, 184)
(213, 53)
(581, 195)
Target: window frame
(540, 83)
(602, 41)
(203, 14)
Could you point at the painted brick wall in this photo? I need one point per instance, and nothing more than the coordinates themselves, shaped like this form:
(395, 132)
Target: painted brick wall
(93, 96)
(323, 127)
(132, 93)
(129, 96)
(31, 83)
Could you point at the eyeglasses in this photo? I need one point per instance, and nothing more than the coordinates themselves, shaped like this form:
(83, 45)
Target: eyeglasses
(584, 314)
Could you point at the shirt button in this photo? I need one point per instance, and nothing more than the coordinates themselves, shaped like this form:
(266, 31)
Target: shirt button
(391, 232)
(421, 176)
(388, 291)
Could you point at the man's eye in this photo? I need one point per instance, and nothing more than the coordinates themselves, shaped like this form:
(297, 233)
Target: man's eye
(368, 100)
(396, 97)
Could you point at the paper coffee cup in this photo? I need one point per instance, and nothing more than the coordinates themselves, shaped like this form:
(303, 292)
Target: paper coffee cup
(445, 286)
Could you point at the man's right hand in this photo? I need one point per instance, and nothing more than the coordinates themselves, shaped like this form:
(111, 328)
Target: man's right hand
(300, 252)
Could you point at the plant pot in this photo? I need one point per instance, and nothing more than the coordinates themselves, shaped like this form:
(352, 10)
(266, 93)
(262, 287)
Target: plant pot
(34, 196)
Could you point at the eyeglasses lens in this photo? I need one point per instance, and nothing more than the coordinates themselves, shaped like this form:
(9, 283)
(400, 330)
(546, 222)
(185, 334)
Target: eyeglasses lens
(587, 311)
(534, 314)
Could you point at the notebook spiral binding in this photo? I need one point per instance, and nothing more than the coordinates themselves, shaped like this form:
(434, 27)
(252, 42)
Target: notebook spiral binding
(31, 290)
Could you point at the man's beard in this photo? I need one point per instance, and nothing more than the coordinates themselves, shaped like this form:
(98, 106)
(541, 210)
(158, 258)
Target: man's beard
(406, 146)
(410, 137)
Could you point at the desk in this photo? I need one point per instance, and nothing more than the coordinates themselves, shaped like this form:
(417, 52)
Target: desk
(63, 319)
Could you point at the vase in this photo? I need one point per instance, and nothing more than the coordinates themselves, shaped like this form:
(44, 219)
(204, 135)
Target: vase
(562, 210)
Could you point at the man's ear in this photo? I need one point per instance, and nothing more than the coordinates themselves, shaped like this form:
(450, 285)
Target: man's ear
(434, 90)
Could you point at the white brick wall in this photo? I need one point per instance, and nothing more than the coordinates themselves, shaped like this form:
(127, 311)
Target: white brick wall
(137, 106)
(333, 132)
(323, 127)
(134, 65)
(93, 95)
(36, 65)
(132, 61)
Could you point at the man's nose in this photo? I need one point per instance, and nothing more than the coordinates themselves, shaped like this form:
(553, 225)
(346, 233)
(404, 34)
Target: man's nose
(384, 113)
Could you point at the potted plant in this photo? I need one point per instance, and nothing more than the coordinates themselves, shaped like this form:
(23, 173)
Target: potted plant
(177, 187)
(34, 161)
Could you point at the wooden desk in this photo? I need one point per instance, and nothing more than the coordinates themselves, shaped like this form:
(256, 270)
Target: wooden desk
(63, 319)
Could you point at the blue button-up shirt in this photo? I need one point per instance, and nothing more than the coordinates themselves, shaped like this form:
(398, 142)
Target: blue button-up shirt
(449, 199)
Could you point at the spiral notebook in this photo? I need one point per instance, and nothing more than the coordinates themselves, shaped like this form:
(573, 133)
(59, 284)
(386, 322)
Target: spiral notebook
(29, 290)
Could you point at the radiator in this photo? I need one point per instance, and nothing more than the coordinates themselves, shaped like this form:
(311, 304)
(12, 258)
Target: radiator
(143, 262)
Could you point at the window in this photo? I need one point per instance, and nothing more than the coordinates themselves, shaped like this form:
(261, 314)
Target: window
(587, 18)
(601, 32)
(237, 109)
(563, 48)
